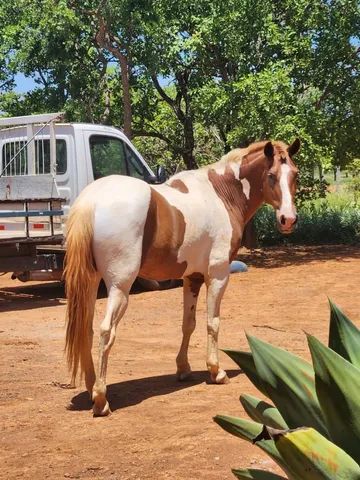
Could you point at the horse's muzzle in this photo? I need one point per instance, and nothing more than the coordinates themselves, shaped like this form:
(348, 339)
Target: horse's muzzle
(286, 223)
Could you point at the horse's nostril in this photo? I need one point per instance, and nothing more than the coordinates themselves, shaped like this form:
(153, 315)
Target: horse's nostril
(296, 220)
(282, 219)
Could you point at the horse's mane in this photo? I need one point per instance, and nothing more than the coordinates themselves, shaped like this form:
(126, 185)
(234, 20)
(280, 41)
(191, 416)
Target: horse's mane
(245, 154)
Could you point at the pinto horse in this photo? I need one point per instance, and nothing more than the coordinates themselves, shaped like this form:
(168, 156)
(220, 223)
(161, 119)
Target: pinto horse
(190, 228)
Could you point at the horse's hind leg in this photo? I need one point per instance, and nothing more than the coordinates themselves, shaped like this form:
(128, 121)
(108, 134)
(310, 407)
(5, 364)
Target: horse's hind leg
(191, 290)
(88, 360)
(115, 309)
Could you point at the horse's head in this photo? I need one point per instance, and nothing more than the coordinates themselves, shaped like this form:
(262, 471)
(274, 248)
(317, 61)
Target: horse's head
(279, 182)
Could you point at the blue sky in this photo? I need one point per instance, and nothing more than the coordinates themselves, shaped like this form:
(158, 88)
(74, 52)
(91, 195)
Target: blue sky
(24, 84)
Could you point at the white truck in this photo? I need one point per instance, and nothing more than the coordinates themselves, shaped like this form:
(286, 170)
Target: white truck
(44, 165)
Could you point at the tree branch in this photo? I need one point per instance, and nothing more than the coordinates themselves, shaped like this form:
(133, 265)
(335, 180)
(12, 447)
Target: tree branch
(5, 84)
(43, 79)
(162, 92)
(160, 136)
(327, 89)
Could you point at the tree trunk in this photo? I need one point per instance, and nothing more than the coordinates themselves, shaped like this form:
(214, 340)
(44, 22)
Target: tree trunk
(185, 118)
(189, 144)
(126, 99)
(105, 39)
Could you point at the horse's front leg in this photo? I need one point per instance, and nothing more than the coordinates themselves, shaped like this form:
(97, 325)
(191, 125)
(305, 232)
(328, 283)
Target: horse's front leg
(191, 290)
(216, 286)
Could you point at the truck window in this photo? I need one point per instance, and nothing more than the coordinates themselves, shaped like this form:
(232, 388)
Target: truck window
(136, 168)
(107, 156)
(19, 166)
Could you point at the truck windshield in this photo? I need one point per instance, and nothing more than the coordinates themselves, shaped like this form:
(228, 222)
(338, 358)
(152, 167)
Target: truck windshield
(135, 167)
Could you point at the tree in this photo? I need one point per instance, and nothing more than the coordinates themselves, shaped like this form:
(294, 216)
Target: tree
(197, 78)
(51, 45)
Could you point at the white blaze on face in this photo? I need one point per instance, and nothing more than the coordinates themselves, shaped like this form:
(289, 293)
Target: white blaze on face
(286, 208)
(246, 187)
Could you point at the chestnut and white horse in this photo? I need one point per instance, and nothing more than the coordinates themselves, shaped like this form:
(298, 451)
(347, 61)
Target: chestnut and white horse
(190, 228)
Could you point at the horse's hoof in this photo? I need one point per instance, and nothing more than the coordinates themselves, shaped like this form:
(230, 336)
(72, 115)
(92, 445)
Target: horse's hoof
(183, 376)
(101, 412)
(220, 378)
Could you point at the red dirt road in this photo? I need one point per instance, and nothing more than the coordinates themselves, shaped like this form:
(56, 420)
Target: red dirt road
(159, 428)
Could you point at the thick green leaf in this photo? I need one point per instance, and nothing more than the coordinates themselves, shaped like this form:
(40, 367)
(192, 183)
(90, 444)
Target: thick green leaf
(249, 430)
(313, 457)
(262, 412)
(338, 390)
(344, 336)
(246, 363)
(289, 382)
(252, 474)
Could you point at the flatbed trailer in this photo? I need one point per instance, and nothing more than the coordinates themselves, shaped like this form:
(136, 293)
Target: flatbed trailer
(28, 206)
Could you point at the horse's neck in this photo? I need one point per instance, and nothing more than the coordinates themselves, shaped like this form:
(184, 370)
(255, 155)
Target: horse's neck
(254, 172)
(237, 181)
(239, 185)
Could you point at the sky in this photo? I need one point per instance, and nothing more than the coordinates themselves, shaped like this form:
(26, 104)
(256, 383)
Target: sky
(23, 84)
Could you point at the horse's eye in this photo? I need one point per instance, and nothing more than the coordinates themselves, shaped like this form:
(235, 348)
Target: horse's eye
(272, 179)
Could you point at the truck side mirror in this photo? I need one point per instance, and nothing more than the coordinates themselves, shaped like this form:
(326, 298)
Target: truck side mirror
(160, 174)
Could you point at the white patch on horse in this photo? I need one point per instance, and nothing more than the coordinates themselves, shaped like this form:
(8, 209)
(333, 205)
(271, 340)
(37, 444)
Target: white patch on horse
(286, 207)
(220, 168)
(204, 219)
(246, 187)
(236, 169)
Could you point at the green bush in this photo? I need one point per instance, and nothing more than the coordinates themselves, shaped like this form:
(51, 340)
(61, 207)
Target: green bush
(321, 222)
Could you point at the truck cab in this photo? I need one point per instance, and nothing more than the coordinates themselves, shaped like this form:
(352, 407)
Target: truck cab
(44, 165)
(84, 152)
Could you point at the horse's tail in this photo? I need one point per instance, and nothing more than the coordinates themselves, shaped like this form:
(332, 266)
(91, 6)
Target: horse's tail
(79, 274)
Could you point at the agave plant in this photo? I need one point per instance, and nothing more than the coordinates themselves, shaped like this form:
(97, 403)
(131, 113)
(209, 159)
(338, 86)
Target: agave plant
(312, 428)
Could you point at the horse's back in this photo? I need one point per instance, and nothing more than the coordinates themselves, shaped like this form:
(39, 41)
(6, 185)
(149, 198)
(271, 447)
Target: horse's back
(115, 189)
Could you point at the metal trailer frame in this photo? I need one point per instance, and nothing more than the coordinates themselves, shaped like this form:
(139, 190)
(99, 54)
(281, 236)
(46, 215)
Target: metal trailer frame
(26, 252)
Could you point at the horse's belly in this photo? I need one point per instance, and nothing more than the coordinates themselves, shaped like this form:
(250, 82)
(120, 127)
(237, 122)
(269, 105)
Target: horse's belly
(160, 266)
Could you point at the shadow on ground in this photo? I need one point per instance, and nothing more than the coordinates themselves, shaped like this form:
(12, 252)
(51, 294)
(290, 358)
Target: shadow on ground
(132, 392)
(24, 297)
(50, 294)
(280, 256)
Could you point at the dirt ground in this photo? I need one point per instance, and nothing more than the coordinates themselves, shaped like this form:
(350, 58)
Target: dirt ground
(159, 428)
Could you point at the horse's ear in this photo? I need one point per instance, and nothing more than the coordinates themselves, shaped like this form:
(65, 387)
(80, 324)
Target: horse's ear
(269, 151)
(294, 147)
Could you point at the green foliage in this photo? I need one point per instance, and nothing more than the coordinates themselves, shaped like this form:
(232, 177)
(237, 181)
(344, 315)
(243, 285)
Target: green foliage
(262, 412)
(252, 474)
(344, 336)
(354, 167)
(320, 222)
(295, 398)
(354, 188)
(333, 385)
(337, 387)
(204, 76)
